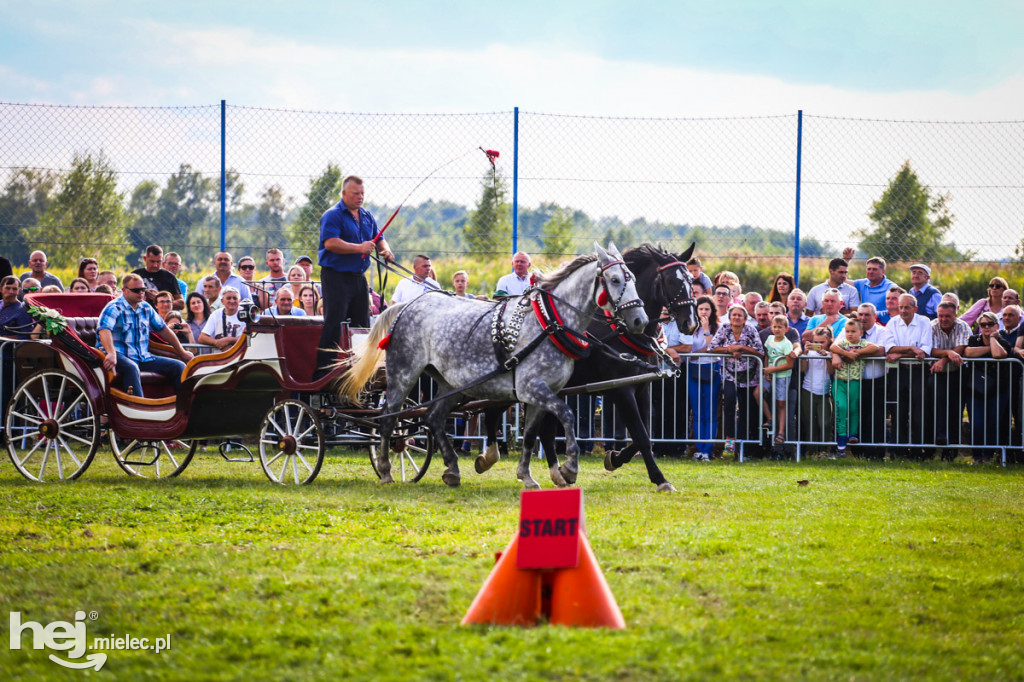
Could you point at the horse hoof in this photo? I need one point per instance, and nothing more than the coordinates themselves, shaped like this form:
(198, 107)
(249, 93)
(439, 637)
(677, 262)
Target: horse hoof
(567, 474)
(386, 478)
(609, 462)
(480, 464)
(451, 479)
(557, 478)
(666, 487)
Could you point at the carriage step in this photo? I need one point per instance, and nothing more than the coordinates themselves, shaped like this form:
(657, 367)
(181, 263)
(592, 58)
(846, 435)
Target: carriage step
(223, 449)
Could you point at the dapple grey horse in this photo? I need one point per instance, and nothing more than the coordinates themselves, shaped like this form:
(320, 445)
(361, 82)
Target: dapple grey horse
(450, 340)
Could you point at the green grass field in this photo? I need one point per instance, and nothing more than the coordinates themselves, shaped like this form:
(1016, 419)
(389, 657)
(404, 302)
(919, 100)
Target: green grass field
(871, 571)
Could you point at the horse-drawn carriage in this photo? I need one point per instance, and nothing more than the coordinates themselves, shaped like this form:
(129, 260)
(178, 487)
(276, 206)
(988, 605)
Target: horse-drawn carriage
(262, 387)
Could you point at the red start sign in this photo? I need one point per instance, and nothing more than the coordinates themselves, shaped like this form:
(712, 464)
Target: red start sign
(550, 523)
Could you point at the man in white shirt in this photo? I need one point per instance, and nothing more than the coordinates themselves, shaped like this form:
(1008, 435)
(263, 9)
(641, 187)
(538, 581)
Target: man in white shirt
(871, 429)
(910, 385)
(517, 281)
(420, 282)
(223, 328)
(838, 269)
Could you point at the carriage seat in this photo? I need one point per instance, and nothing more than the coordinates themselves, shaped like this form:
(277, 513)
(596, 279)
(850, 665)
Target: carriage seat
(86, 330)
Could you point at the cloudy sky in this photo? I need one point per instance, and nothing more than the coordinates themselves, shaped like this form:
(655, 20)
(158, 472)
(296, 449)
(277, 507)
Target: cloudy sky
(935, 60)
(939, 83)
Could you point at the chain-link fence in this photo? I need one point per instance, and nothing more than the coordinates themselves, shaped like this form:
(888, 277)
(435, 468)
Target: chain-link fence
(107, 181)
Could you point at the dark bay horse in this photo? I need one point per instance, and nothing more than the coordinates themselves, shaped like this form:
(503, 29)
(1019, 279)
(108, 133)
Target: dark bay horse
(662, 282)
(452, 340)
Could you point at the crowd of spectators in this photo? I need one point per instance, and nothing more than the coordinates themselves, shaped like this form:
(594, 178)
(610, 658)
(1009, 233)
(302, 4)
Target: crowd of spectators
(863, 363)
(853, 363)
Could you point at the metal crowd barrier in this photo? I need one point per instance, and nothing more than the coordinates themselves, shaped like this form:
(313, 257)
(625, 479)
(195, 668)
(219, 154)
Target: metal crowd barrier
(901, 409)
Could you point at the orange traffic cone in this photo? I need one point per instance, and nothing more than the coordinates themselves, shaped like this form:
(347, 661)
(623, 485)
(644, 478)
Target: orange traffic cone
(581, 597)
(509, 596)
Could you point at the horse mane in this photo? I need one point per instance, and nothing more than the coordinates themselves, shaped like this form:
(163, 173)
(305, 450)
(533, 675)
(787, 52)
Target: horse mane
(551, 280)
(638, 258)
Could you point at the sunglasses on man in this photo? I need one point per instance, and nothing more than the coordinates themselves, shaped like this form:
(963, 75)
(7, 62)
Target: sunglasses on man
(29, 290)
(136, 290)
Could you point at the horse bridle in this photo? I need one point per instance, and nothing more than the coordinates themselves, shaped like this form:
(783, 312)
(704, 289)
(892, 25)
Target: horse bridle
(617, 305)
(683, 298)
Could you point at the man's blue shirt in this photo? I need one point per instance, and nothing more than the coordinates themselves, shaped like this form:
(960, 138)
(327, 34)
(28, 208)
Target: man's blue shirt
(873, 294)
(338, 222)
(130, 328)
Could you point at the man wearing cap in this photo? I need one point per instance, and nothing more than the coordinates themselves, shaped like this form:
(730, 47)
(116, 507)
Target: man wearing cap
(517, 281)
(306, 263)
(348, 235)
(123, 333)
(927, 296)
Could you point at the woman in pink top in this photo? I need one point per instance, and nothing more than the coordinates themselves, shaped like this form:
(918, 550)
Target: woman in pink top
(991, 304)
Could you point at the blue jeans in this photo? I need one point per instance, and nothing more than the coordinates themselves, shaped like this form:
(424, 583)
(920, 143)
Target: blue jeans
(704, 399)
(129, 370)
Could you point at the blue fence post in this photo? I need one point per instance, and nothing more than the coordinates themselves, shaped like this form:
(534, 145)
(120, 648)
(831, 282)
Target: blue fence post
(515, 183)
(799, 158)
(223, 181)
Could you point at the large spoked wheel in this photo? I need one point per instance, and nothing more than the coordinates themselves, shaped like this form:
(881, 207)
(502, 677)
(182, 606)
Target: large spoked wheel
(152, 458)
(412, 448)
(52, 430)
(291, 443)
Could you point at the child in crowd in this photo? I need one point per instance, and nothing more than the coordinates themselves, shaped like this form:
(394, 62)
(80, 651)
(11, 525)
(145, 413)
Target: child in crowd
(849, 369)
(778, 368)
(816, 409)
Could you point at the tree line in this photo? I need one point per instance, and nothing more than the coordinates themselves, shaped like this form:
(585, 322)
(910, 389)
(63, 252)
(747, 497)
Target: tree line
(82, 212)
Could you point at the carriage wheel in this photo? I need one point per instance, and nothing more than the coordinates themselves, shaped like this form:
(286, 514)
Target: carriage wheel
(411, 463)
(291, 443)
(152, 458)
(52, 430)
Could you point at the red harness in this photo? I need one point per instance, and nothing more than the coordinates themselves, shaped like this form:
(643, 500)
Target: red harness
(551, 322)
(624, 338)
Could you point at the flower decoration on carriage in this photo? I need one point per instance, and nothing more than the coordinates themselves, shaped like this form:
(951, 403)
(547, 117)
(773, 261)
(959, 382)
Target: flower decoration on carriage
(53, 322)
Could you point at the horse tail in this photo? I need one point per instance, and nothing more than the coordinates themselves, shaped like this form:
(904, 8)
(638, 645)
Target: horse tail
(366, 364)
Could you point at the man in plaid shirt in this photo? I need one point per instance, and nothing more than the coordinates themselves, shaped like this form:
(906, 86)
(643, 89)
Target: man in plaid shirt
(124, 328)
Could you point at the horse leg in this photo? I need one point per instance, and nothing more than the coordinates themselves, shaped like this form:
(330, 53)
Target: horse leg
(546, 428)
(382, 461)
(634, 406)
(434, 419)
(536, 392)
(491, 455)
(529, 445)
(399, 385)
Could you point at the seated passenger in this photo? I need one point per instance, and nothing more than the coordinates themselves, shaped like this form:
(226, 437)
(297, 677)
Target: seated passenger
(124, 329)
(223, 328)
(283, 304)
